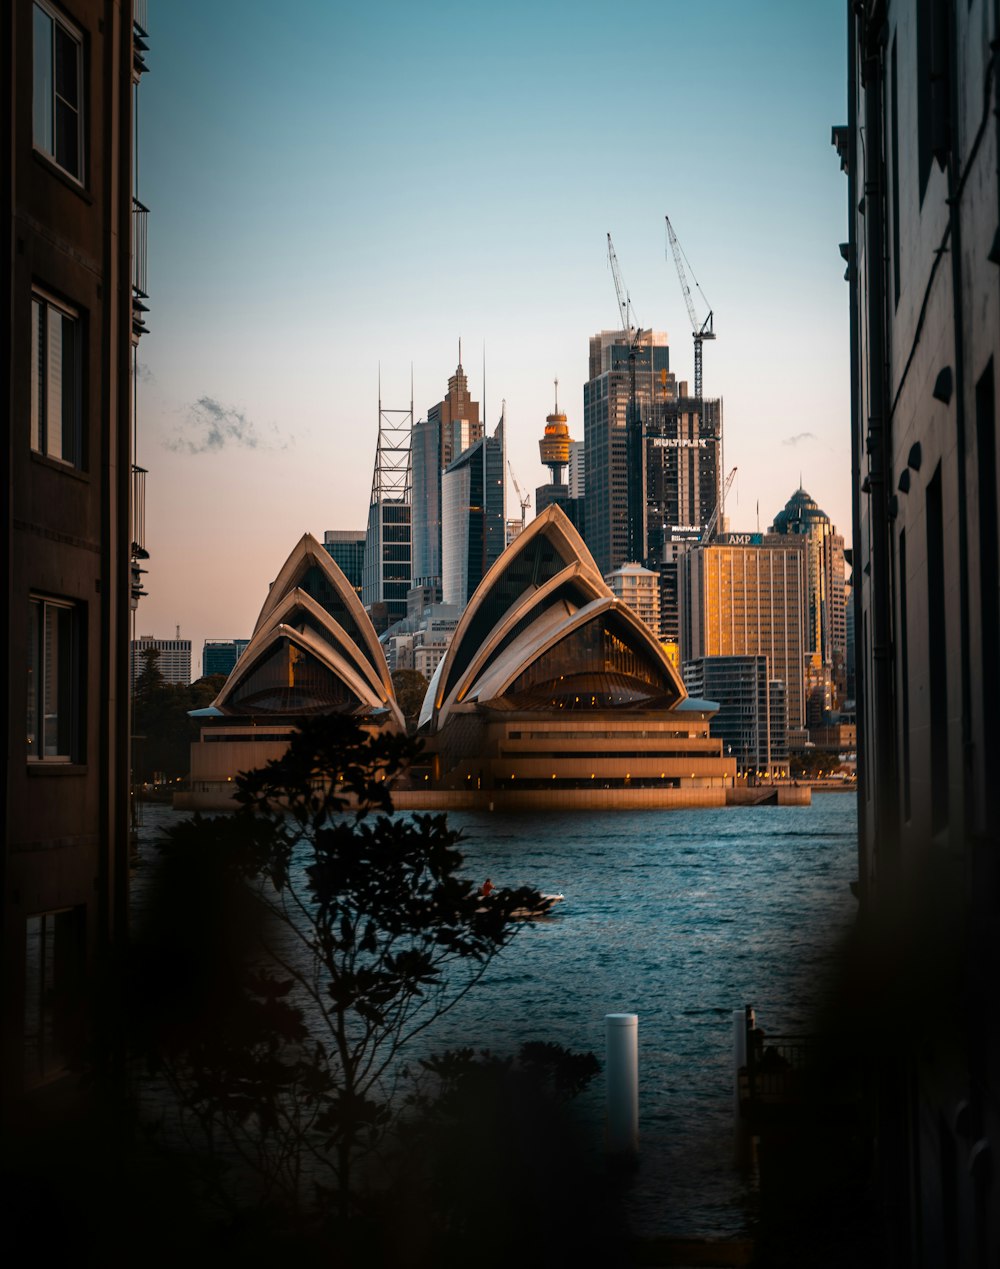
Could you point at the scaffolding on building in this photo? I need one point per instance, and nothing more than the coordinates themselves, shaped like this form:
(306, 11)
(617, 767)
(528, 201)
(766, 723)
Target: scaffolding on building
(387, 573)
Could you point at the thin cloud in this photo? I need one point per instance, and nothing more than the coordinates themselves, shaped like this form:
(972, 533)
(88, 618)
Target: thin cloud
(211, 426)
(143, 373)
(798, 438)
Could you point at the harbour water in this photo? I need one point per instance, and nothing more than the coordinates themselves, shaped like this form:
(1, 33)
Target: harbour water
(680, 917)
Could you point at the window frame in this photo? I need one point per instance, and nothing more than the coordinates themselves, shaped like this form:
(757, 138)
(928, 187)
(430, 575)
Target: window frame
(49, 147)
(44, 422)
(68, 748)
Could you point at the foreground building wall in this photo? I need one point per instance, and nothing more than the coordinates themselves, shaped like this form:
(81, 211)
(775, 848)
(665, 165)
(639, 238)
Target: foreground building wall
(920, 153)
(67, 330)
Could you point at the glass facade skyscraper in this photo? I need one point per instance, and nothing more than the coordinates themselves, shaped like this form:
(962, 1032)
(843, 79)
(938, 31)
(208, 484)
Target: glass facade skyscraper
(346, 547)
(451, 426)
(677, 463)
(473, 533)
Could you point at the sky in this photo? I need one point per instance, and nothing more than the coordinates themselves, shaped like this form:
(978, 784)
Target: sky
(339, 193)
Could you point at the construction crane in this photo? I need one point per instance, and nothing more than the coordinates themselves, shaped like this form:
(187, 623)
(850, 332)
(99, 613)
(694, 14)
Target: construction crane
(523, 499)
(624, 301)
(700, 330)
(719, 513)
(634, 464)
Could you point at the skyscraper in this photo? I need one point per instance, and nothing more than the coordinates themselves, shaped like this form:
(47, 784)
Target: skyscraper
(683, 447)
(173, 658)
(748, 601)
(679, 457)
(752, 721)
(826, 626)
(451, 426)
(639, 588)
(606, 396)
(218, 656)
(346, 547)
(474, 516)
(387, 573)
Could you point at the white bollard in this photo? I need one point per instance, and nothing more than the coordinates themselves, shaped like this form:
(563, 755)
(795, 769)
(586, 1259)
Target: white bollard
(741, 1130)
(622, 1035)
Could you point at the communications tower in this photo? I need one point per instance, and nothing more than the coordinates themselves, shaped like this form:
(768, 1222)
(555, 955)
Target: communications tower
(554, 445)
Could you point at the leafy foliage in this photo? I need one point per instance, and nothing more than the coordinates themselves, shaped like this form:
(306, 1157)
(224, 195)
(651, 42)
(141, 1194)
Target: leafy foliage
(350, 933)
(410, 687)
(161, 725)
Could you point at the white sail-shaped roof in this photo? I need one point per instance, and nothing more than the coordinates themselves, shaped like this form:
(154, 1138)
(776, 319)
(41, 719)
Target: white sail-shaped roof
(309, 568)
(313, 649)
(543, 630)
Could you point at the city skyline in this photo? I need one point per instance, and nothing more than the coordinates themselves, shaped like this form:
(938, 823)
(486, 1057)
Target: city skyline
(400, 214)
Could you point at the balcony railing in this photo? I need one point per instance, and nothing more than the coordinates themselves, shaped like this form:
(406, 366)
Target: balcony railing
(139, 512)
(140, 37)
(140, 216)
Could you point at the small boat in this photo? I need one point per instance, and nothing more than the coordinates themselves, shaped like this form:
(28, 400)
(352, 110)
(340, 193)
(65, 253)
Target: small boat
(549, 901)
(544, 909)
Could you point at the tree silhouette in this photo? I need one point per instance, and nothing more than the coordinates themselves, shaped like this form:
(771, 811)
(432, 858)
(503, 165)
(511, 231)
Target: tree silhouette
(287, 1001)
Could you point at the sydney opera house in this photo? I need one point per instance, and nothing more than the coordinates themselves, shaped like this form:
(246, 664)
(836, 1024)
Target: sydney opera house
(553, 693)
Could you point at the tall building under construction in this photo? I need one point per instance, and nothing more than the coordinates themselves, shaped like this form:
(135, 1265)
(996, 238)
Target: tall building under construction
(606, 398)
(680, 461)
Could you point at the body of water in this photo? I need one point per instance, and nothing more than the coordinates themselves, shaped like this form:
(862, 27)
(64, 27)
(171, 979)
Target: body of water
(677, 916)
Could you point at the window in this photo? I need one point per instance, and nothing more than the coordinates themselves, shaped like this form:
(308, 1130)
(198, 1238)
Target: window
(56, 381)
(55, 635)
(57, 105)
(937, 654)
(53, 965)
(894, 126)
(989, 577)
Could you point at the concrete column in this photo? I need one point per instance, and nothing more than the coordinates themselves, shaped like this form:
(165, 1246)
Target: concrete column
(622, 1036)
(740, 1128)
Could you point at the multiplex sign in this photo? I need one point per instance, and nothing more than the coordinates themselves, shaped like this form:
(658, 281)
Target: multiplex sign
(679, 442)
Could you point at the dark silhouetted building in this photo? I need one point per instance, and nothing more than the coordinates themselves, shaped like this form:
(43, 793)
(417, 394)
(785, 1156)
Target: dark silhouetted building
(752, 721)
(606, 397)
(220, 655)
(346, 547)
(923, 265)
(74, 282)
(474, 517)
